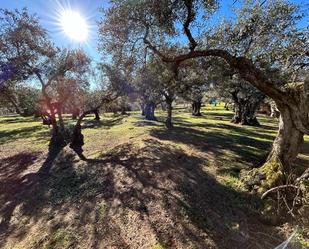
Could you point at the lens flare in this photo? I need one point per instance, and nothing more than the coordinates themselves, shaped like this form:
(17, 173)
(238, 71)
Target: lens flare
(74, 25)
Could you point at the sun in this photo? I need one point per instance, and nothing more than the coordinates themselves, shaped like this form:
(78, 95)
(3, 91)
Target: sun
(74, 25)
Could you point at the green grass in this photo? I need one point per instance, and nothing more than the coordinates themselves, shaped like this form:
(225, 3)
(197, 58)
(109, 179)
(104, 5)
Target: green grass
(23, 131)
(212, 131)
(157, 246)
(61, 238)
(234, 144)
(143, 175)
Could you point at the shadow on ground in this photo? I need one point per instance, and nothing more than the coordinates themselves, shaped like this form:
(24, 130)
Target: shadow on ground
(146, 195)
(39, 132)
(244, 147)
(105, 123)
(18, 119)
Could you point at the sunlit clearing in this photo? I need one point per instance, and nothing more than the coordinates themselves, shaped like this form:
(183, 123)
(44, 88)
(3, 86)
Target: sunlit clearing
(74, 25)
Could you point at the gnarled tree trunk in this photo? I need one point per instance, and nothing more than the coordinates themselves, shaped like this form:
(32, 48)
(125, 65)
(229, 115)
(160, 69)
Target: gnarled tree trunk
(238, 111)
(57, 138)
(196, 108)
(245, 110)
(123, 111)
(96, 113)
(226, 106)
(292, 102)
(249, 113)
(169, 108)
(77, 140)
(288, 141)
(149, 111)
(163, 106)
(285, 149)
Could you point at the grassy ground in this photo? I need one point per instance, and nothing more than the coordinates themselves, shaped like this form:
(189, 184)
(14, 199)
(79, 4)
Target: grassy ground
(146, 187)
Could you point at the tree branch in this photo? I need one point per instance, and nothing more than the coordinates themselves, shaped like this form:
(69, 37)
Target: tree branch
(278, 188)
(244, 67)
(106, 99)
(189, 19)
(153, 48)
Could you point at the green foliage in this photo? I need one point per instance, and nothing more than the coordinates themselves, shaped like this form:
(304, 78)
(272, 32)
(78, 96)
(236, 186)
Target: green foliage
(27, 98)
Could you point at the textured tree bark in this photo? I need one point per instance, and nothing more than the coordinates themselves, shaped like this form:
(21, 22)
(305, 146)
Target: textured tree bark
(77, 141)
(238, 113)
(289, 140)
(196, 108)
(226, 106)
(57, 139)
(249, 113)
(293, 102)
(169, 108)
(149, 111)
(96, 113)
(245, 111)
(163, 107)
(285, 149)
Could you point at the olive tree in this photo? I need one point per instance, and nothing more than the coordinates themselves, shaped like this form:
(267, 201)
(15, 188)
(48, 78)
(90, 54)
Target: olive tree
(245, 97)
(146, 84)
(22, 41)
(194, 81)
(263, 45)
(28, 54)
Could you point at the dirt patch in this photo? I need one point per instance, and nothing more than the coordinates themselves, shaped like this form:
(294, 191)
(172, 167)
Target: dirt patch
(144, 187)
(149, 195)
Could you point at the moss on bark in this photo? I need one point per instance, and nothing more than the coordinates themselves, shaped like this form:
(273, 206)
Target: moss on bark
(261, 179)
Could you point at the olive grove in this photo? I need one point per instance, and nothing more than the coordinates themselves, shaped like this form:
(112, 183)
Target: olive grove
(263, 46)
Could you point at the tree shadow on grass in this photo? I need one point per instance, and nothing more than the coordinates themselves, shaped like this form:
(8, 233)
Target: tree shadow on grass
(37, 131)
(205, 122)
(217, 116)
(171, 192)
(134, 196)
(13, 166)
(18, 119)
(218, 143)
(47, 198)
(25, 197)
(145, 122)
(105, 123)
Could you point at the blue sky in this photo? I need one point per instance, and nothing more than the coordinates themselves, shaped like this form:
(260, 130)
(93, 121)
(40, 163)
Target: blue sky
(47, 12)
